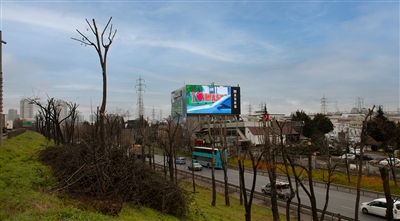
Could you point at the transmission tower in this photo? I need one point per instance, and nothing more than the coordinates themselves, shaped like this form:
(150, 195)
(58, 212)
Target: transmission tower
(359, 104)
(140, 91)
(250, 109)
(153, 114)
(324, 102)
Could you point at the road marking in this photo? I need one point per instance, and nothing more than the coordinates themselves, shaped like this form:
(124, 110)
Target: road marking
(349, 208)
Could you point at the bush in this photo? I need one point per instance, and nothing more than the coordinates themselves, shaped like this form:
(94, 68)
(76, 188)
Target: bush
(106, 181)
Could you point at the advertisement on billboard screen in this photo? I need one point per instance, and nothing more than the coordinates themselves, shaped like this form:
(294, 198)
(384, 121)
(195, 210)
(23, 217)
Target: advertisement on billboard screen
(212, 99)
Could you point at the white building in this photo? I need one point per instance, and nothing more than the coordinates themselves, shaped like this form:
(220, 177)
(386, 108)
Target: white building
(64, 109)
(12, 114)
(26, 109)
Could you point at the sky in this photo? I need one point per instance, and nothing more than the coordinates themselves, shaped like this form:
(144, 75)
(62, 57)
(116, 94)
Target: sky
(288, 55)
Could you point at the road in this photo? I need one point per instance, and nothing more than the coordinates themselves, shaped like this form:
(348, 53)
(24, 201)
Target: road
(339, 202)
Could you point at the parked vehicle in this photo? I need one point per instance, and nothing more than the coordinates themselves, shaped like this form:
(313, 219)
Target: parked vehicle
(376, 160)
(378, 207)
(195, 167)
(348, 156)
(389, 161)
(365, 157)
(282, 189)
(357, 151)
(180, 160)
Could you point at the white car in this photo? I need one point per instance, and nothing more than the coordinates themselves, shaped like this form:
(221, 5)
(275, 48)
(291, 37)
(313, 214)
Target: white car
(378, 207)
(389, 161)
(180, 160)
(282, 189)
(195, 167)
(349, 156)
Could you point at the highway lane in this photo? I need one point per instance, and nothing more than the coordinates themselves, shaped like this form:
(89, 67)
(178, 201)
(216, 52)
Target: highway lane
(339, 202)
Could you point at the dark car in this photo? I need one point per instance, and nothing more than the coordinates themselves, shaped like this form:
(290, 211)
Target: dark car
(365, 157)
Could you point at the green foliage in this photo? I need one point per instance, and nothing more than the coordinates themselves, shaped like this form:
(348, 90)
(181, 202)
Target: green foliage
(319, 124)
(382, 130)
(308, 124)
(322, 123)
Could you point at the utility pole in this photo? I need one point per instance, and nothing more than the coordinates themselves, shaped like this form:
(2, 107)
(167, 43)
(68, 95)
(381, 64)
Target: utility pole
(1, 89)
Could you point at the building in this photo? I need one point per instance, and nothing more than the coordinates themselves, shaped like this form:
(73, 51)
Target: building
(63, 106)
(250, 132)
(26, 109)
(12, 114)
(80, 119)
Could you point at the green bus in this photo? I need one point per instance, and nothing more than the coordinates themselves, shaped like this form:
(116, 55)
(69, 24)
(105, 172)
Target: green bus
(203, 155)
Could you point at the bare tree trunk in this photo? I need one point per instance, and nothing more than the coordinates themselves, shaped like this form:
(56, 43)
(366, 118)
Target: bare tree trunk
(360, 163)
(214, 188)
(103, 62)
(247, 205)
(386, 188)
(313, 201)
(393, 171)
(271, 165)
(223, 153)
(193, 179)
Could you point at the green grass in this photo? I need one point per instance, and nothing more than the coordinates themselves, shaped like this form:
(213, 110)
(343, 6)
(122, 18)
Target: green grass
(25, 195)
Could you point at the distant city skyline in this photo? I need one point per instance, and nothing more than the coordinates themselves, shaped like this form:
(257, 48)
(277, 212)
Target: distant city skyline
(286, 54)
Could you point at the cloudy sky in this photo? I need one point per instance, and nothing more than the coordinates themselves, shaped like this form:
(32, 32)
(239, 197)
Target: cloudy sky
(287, 54)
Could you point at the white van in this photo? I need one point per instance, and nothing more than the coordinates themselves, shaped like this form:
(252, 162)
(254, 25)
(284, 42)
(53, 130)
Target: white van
(378, 207)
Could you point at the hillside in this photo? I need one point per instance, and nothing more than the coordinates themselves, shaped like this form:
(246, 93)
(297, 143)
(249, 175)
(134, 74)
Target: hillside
(25, 192)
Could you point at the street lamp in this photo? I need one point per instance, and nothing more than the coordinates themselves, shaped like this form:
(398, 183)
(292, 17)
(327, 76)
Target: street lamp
(1, 90)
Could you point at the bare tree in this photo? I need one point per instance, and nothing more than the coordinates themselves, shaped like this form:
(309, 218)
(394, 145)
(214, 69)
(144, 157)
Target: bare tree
(170, 137)
(286, 163)
(380, 128)
(270, 152)
(220, 131)
(189, 128)
(364, 134)
(255, 162)
(247, 150)
(99, 44)
(50, 124)
(212, 140)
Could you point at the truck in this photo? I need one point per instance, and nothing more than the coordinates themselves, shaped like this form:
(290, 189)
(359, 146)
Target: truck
(10, 125)
(138, 151)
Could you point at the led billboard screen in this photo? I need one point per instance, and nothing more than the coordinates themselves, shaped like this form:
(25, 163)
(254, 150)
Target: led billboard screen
(212, 99)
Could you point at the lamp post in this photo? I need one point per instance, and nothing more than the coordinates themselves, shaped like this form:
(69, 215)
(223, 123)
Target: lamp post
(1, 89)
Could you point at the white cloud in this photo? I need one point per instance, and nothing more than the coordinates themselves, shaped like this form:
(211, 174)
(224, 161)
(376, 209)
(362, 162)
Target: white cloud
(38, 16)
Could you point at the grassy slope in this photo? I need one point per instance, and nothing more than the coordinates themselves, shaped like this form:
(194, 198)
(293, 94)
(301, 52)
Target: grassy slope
(25, 185)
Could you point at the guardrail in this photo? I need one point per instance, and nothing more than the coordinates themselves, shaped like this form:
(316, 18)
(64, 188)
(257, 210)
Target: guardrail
(220, 186)
(337, 187)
